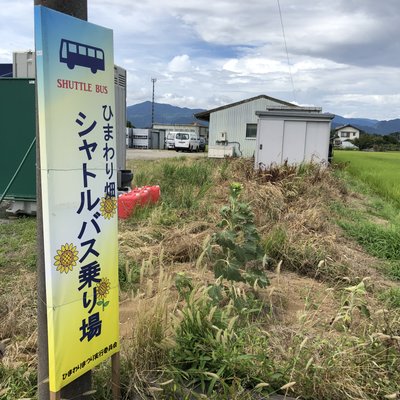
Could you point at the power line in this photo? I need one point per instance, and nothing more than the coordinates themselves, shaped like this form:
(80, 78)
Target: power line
(287, 53)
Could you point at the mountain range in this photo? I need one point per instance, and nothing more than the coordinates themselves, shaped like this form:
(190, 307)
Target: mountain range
(140, 115)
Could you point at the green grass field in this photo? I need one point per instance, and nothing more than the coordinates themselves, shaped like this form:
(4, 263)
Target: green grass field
(380, 171)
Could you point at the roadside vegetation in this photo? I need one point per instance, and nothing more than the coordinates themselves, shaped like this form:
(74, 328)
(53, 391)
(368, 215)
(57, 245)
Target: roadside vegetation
(238, 284)
(377, 142)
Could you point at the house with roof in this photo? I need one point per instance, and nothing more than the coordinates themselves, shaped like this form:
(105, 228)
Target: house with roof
(235, 125)
(345, 133)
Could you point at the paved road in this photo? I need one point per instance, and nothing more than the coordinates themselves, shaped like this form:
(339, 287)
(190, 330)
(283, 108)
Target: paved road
(136, 154)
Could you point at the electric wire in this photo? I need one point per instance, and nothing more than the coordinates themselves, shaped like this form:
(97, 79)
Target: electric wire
(286, 49)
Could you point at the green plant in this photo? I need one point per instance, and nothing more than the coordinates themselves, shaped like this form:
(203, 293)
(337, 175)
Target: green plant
(215, 345)
(224, 170)
(183, 284)
(394, 270)
(274, 244)
(354, 298)
(128, 272)
(241, 252)
(17, 382)
(378, 240)
(183, 185)
(391, 297)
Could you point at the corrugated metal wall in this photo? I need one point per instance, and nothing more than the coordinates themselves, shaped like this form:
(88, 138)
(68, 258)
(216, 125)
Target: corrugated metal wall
(120, 115)
(233, 121)
(200, 130)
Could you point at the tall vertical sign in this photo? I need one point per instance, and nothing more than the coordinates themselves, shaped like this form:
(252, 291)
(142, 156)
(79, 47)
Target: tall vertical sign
(76, 107)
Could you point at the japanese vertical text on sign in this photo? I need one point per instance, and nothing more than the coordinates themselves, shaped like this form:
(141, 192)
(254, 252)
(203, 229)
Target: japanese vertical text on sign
(75, 82)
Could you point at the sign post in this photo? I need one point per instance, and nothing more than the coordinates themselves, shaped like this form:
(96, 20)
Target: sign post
(76, 107)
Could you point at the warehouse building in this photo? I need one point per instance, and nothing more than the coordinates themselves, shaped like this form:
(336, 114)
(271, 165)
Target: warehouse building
(198, 129)
(235, 125)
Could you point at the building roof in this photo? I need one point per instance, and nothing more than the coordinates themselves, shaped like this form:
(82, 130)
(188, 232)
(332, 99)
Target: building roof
(194, 124)
(346, 126)
(293, 113)
(6, 70)
(205, 115)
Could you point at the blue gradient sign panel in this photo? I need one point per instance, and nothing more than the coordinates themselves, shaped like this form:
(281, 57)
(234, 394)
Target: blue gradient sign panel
(76, 107)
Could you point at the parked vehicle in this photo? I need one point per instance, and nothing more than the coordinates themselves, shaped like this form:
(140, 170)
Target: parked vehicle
(170, 140)
(202, 144)
(186, 141)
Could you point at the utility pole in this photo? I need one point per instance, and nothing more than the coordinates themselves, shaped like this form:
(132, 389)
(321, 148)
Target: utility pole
(154, 80)
(76, 389)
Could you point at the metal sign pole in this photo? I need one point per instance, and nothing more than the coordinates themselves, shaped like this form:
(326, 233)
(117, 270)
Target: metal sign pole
(115, 376)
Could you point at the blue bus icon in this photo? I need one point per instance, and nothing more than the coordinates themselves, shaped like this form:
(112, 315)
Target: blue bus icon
(74, 53)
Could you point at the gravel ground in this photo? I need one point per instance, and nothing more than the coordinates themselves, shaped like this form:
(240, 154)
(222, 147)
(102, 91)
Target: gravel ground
(137, 154)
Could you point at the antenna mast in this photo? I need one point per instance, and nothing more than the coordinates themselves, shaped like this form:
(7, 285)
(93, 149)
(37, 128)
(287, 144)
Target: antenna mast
(154, 80)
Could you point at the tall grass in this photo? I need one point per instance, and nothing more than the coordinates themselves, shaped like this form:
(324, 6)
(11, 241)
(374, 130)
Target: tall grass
(380, 171)
(195, 337)
(183, 185)
(17, 382)
(17, 245)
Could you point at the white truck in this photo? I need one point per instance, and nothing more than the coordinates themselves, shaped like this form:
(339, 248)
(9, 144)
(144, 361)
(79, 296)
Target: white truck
(170, 140)
(186, 141)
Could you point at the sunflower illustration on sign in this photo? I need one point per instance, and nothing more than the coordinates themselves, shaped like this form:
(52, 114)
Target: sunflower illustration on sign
(102, 290)
(66, 258)
(108, 206)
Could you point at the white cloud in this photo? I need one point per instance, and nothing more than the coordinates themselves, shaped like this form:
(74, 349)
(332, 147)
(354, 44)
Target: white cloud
(344, 58)
(180, 64)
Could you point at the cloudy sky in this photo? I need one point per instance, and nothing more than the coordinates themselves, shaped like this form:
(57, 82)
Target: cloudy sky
(342, 55)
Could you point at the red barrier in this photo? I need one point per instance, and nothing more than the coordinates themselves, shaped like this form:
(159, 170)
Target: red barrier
(126, 204)
(137, 197)
(154, 193)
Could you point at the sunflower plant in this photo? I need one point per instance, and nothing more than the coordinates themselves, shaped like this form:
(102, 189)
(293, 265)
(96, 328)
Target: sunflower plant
(240, 253)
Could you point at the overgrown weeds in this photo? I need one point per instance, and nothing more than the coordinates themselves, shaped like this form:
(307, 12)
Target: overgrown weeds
(354, 346)
(17, 381)
(215, 347)
(318, 330)
(183, 184)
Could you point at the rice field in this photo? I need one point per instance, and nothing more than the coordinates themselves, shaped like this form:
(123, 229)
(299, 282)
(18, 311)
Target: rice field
(380, 171)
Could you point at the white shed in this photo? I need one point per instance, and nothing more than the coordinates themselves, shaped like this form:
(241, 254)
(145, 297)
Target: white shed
(296, 135)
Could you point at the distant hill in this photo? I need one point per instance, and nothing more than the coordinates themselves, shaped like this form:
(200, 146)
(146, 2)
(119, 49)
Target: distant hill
(354, 121)
(140, 114)
(140, 117)
(369, 125)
